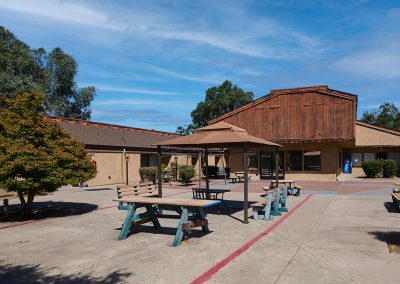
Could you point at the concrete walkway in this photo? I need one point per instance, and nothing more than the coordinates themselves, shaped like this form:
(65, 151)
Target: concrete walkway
(324, 238)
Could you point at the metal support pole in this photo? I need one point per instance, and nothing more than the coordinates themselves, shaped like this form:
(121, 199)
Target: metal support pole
(127, 169)
(276, 167)
(200, 171)
(207, 181)
(246, 185)
(159, 181)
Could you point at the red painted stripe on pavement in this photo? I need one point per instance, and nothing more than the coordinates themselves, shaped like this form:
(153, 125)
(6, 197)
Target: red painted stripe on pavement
(213, 270)
(24, 223)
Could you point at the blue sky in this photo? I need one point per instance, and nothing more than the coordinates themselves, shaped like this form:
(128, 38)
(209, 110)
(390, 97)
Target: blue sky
(151, 61)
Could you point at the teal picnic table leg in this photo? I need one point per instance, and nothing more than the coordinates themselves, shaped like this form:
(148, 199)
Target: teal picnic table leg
(202, 216)
(275, 210)
(267, 209)
(283, 200)
(152, 214)
(179, 232)
(128, 222)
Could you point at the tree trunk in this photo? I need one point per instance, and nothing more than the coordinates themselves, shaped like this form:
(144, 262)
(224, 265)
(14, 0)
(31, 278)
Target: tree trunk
(26, 204)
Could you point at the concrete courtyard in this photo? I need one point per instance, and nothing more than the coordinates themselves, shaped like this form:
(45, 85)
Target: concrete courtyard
(335, 232)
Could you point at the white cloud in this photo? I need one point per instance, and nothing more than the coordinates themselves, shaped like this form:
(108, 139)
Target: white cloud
(62, 11)
(183, 76)
(131, 90)
(373, 63)
(244, 37)
(170, 104)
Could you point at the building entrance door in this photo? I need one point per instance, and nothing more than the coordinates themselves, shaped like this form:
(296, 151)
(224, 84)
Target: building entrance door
(267, 165)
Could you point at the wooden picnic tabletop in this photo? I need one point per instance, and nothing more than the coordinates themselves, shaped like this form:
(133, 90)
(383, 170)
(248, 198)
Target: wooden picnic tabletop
(283, 181)
(169, 201)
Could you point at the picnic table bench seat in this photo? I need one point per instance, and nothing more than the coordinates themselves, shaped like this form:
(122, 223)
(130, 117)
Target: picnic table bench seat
(144, 189)
(396, 199)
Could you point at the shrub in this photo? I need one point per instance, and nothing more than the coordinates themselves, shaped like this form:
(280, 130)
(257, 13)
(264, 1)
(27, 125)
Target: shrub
(372, 168)
(149, 173)
(212, 171)
(389, 168)
(186, 173)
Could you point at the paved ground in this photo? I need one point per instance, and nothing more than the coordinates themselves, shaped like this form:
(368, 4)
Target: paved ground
(333, 234)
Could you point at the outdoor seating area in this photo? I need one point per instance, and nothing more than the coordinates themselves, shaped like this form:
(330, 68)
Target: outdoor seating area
(309, 239)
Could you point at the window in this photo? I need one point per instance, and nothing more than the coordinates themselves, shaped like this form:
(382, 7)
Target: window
(293, 160)
(148, 161)
(356, 159)
(312, 160)
(253, 161)
(340, 160)
(381, 156)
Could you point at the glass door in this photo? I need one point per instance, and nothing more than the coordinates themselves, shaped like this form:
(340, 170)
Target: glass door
(267, 165)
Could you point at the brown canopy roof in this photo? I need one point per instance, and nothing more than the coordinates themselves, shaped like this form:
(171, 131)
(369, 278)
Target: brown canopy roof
(220, 134)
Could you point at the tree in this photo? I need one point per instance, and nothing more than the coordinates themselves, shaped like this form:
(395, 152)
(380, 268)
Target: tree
(35, 153)
(387, 116)
(63, 98)
(23, 69)
(218, 100)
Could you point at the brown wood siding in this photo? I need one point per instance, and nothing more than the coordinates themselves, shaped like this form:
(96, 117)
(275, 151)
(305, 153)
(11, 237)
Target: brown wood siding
(306, 116)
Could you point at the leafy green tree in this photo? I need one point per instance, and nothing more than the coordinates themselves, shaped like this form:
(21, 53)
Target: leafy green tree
(218, 100)
(387, 116)
(35, 153)
(23, 69)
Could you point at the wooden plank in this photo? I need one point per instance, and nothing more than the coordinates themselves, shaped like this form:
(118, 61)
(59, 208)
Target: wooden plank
(311, 115)
(170, 201)
(194, 224)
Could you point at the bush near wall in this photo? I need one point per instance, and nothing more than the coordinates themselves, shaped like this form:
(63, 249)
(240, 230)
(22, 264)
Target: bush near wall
(212, 171)
(148, 173)
(379, 168)
(186, 173)
(389, 168)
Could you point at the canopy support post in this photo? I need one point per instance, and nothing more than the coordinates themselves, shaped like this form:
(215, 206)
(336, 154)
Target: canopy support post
(246, 185)
(159, 181)
(207, 181)
(276, 167)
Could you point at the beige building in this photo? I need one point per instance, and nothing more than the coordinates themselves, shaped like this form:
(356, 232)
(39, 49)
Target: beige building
(119, 151)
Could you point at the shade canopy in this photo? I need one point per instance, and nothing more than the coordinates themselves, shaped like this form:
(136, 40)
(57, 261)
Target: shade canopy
(217, 135)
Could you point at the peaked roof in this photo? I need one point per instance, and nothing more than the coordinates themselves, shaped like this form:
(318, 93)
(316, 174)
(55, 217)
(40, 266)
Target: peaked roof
(107, 136)
(323, 89)
(218, 135)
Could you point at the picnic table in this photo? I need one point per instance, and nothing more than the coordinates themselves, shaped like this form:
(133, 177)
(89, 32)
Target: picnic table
(239, 177)
(291, 186)
(190, 212)
(211, 194)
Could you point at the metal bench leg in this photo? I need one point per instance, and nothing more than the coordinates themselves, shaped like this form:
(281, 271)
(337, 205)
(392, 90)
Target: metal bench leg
(179, 231)
(151, 213)
(275, 211)
(283, 200)
(267, 209)
(128, 222)
(202, 216)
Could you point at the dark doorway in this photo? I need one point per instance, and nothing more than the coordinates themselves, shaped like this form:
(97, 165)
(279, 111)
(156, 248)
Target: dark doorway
(267, 165)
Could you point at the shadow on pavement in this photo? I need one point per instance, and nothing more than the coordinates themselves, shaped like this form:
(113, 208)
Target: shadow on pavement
(10, 273)
(47, 209)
